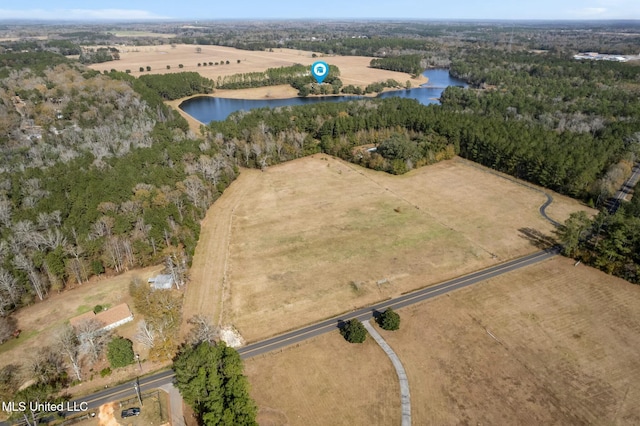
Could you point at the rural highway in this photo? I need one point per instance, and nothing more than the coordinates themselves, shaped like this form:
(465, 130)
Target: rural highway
(126, 390)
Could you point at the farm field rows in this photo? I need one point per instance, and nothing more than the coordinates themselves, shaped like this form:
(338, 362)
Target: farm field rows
(548, 344)
(315, 237)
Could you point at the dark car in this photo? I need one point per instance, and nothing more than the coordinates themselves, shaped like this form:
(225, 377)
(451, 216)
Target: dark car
(130, 412)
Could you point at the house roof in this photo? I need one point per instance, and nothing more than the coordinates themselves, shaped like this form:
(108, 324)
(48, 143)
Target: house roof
(76, 321)
(161, 282)
(110, 316)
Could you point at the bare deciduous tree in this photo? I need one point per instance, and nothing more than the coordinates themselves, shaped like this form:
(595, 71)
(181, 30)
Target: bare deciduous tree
(37, 281)
(146, 334)
(176, 264)
(67, 343)
(5, 212)
(47, 366)
(10, 292)
(202, 330)
(93, 338)
(7, 327)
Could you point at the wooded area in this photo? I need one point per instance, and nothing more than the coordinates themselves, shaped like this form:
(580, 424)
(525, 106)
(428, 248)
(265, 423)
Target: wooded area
(98, 175)
(109, 178)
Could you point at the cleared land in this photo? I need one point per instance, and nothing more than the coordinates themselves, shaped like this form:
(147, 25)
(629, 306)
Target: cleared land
(549, 344)
(354, 69)
(40, 322)
(325, 381)
(315, 237)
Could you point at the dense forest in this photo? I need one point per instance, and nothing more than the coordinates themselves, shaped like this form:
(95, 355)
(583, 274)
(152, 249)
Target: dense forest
(590, 108)
(177, 85)
(96, 174)
(411, 64)
(610, 242)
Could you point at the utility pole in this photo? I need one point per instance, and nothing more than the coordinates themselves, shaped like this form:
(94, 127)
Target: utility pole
(138, 359)
(136, 386)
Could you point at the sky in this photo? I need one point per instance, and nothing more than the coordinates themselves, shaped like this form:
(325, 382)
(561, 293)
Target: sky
(135, 10)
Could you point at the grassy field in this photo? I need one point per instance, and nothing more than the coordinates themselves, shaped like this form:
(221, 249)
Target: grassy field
(354, 69)
(548, 344)
(41, 321)
(325, 381)
(315, 237)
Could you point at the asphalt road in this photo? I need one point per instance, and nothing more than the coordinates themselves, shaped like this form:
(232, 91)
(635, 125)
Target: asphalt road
(127, 390)
(626, 189)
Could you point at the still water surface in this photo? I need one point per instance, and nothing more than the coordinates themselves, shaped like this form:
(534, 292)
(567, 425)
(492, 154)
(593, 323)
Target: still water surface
(206, 109)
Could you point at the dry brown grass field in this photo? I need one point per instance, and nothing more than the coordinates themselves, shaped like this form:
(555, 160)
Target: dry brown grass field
(41, 321)
(316, 237)
(547, 344)
(354, 69)
(325, 381)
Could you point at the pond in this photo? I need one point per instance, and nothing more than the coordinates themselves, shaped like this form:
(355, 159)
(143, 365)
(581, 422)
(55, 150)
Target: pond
(206, 109)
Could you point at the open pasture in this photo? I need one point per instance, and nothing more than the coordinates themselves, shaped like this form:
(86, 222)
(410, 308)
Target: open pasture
(316, 237)
(548, 344)
(354, 69)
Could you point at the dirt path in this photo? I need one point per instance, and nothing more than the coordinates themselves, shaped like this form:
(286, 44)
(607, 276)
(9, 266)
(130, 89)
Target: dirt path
(204, 293)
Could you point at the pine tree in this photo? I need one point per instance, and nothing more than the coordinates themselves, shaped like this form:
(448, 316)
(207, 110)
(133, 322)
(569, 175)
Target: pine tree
(209, 377)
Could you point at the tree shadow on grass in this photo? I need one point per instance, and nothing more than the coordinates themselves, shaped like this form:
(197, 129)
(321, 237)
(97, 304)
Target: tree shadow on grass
(377, 316)
(537, 238)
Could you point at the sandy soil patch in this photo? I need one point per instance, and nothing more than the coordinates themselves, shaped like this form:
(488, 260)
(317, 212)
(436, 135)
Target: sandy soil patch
(325, 381)
(315, 237)
(354, 69)
(548, 344)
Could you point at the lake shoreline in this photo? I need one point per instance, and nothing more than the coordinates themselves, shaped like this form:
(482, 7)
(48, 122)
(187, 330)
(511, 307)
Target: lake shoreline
(201, 109)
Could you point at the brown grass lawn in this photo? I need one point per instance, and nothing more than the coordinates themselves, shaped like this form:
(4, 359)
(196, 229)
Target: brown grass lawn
(41, 321)
(325, 381)
(315, 237)
(548, 344)
(354, 69)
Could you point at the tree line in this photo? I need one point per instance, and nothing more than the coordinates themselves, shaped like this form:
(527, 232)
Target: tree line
(610, 242)
(177, 85)
(411, 64)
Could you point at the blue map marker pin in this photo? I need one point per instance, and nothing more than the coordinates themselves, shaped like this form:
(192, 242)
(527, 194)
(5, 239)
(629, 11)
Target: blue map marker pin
(320, 70)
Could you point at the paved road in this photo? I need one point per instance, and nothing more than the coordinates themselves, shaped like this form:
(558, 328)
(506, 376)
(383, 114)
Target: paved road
(405, 395)
(367, 313)
(127, 390)
(626, 189)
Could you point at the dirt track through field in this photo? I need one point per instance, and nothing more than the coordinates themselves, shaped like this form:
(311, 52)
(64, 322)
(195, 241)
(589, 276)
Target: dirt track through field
(204, 293)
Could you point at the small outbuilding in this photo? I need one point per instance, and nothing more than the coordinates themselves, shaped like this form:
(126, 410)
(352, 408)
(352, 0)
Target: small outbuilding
(161, 282)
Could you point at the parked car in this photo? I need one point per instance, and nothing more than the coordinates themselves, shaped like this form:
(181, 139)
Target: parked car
(130, 412)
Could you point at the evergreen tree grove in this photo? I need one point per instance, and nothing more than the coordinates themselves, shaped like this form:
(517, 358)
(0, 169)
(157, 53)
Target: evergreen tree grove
(210, 379)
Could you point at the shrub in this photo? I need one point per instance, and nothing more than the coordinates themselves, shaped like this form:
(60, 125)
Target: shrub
(354, 331)
(105, 372)
(120, 352)
(97, 267)
(389, 320)
(97, 309)
(141, 69)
